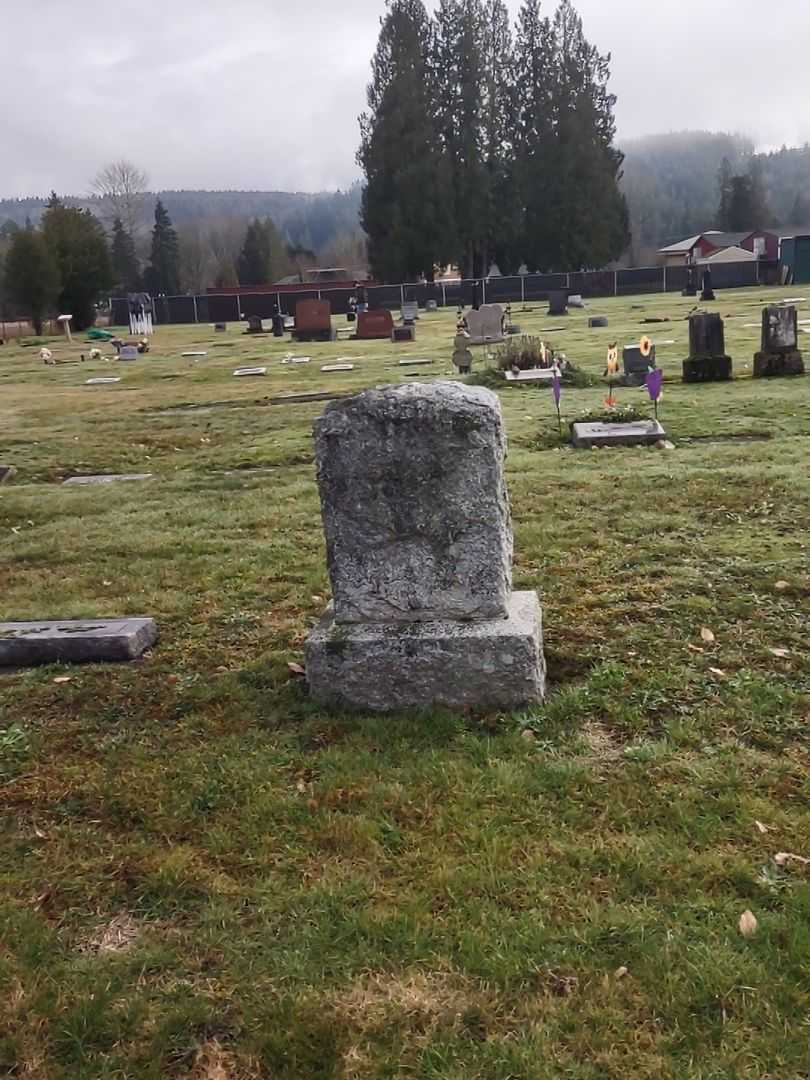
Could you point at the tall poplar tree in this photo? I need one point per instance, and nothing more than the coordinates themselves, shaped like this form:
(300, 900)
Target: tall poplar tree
(162, 275)
(404, 207)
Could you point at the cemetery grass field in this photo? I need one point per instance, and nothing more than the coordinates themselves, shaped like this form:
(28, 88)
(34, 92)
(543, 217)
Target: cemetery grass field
(203, 875)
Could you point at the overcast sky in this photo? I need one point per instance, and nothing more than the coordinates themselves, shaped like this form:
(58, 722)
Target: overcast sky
(265, 93)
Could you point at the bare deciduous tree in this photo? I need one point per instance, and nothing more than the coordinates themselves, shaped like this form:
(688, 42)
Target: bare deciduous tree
(122, 186)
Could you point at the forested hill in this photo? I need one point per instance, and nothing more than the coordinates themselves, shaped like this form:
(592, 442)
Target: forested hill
(671, 183)
(308, 220)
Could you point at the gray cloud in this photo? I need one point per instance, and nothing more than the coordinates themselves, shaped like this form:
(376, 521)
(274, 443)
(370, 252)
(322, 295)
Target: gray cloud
(265, 94)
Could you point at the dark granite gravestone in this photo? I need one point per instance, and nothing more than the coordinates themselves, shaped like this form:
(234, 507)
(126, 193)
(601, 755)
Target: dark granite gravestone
(255, 325)
(779, 354)
(419, 549)
(220, 327)
(636, 366)
(278, 322)
(403, 333)
(78, 641)
(707, 361)
(708, 292)
(313, 321)
(375, 324)
(597, 321)
(558, 302)
(7, 472)
(691, 283)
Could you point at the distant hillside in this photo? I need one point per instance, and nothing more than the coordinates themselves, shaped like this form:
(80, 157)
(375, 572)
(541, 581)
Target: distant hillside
(308, 220)
(671, 182)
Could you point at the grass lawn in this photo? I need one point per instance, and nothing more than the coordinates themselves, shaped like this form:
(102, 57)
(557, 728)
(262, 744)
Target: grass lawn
(205, 876)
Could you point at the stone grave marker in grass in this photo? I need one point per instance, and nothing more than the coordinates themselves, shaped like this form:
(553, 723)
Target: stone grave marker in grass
(329, 368)
(779, 354)
(485, 326)
(102, 381)
(637, 361)
(313, 321)
(375, 324)
(585, 435)
(26, 644)
(707, 360)
(104, 478)
(424, 613)
(243, 372)
(7, 472)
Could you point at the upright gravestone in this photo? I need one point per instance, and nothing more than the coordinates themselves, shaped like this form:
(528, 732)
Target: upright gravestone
(313, 321)
(707, 361)
(375, 324)
(636, 364)
(485, 324)
(419, 548)
(558, 302)
(780, 343)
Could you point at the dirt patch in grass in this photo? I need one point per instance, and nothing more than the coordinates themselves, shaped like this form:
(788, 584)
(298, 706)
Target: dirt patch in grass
(118, 935)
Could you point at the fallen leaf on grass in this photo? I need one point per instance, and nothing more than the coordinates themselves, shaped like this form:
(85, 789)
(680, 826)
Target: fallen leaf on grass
(718, 672)
(707, 635)
(780, 586)
(781, 653)
(762, 828)
(62, 678)
(748, 924)
(620, 973)
(40, 835)
(296, 669)
(695, 648)
(784, 857)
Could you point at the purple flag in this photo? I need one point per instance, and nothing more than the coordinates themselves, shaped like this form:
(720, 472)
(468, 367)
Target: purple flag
(556, 386)
(655, 380)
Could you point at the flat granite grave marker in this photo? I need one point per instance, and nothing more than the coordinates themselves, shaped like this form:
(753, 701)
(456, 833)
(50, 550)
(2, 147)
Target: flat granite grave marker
(128, 352)
(375, 324)
(74, 641)
(637, 433)
(414, 363)
(102, 381)
(7, 472)
(104, 478)
(779, 354)
(485, 325)
(419, 547)
(542, 375)
(707, 361)
(241, 372)
(403, 333)
(337, 367)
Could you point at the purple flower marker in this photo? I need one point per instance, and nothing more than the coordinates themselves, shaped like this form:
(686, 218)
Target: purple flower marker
(655, 380)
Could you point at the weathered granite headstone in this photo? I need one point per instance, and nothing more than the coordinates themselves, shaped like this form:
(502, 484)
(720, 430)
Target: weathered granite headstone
(409, 313)
(431, 305)
(558, 302)
(419, 548)
(636, 365)
(313, 321)
(597, 321)
(255, 325)
(375, 324)
(220, 327)
(128, 352)
(779, 354)
(78, 641)
(243, 372)
(485, 325)
(707, 361)
(7, 472)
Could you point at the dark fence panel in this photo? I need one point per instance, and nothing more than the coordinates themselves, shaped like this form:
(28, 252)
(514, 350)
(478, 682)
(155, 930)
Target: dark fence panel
(338, 299)
(645, 279)
(384, 296)
(177, 309)
(538, 286)
(223, 308)
(733, 275)
(260, 304)
(503, 290)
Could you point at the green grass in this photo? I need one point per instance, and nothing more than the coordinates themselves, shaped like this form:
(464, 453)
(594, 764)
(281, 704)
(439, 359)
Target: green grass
(203, 875)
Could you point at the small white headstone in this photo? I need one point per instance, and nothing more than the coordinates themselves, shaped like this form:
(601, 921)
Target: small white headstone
(128, 352)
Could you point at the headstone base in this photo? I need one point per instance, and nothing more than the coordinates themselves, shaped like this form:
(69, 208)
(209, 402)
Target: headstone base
(76, 641)
(314, 335)
(404, 333)
(384, 667)
(707, 369)
(638, 433)
(767, 365)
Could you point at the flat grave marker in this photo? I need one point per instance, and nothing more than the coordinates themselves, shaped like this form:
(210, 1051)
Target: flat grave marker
(74, 641)
(102, 381)
(242, 372)
(104, 478)
(337, 367)
(636, 433)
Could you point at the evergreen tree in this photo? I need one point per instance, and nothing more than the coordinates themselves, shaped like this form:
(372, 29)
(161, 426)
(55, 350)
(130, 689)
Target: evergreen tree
(588, 218)
(254, 264)
(800, 213)
(126, 273)
(162, 275)
(78, 244)
(404, 205)
(534, 64)
(724, 178)
(31, 275)
(460, 62)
